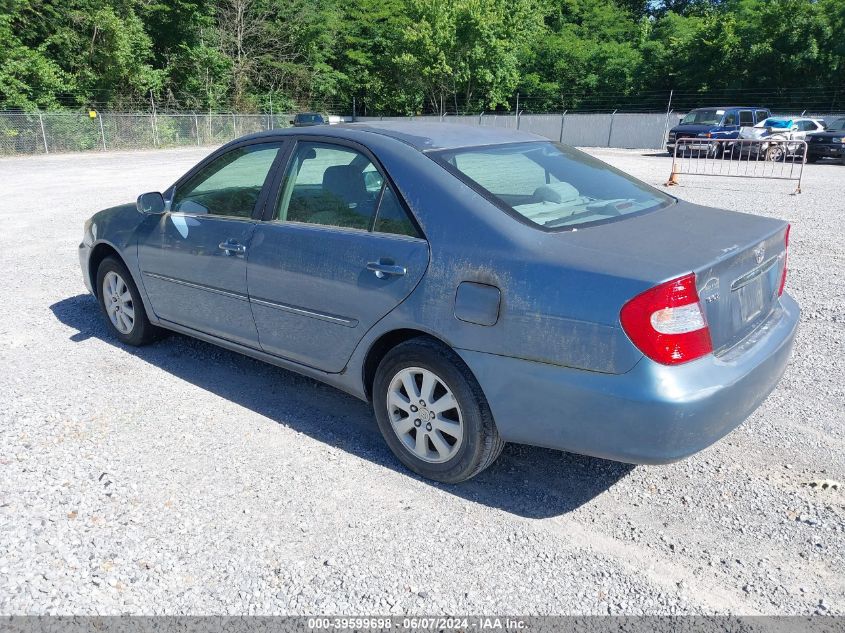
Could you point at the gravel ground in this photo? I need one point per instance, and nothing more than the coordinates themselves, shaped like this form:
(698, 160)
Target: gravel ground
(184, 479)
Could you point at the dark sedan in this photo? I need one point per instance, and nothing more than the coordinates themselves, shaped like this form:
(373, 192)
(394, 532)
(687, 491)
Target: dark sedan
(307, 119)
(827, 144)
(476, 285)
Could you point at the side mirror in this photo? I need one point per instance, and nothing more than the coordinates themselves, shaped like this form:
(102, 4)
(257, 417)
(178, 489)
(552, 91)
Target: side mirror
(151, 203)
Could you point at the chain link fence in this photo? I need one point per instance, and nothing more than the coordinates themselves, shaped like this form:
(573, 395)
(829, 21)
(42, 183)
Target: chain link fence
(22, 133)
(44, 133)
(632, 130)
(581, 129)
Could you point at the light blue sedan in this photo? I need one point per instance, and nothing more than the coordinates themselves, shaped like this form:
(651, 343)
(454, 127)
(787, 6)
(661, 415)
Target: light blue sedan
(478, 286)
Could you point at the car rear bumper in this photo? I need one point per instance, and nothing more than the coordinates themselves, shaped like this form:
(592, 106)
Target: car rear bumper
(650, 415)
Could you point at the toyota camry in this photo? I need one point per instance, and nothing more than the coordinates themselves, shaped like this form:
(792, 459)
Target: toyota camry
(476, 285)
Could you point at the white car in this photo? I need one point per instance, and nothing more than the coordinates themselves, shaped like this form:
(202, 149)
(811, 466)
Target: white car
(780, 131)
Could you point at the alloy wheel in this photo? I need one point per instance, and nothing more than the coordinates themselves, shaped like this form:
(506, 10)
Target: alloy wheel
(425, 415)
(118, 302)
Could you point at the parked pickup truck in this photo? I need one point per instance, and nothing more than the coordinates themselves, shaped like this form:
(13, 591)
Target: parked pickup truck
(714, 123)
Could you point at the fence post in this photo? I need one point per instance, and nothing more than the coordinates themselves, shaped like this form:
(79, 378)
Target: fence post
(153, 121)
(234, 127)
(610, 131)
(197, 127)
(102, 131)
(562, 122)
(666, 125)
(480, 116)
(43, 133)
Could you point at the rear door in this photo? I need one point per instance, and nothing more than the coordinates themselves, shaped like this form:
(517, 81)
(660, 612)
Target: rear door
(337, 251)
(193, 257)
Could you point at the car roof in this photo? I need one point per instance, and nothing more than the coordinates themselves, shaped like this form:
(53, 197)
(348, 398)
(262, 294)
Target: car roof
(730, 108)
(421, 135)
(428, 135)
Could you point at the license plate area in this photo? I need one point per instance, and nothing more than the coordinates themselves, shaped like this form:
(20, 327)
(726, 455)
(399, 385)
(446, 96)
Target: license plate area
(750, 298)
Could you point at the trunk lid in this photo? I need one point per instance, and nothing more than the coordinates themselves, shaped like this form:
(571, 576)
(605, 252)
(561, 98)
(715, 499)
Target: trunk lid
(739, 291)
(738, 260)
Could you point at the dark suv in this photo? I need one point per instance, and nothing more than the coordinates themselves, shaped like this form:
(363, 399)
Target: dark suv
(307, 119)
(716, 123)
(827, 144)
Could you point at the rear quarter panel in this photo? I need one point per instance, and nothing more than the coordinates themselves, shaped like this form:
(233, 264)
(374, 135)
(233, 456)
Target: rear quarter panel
(554, 308)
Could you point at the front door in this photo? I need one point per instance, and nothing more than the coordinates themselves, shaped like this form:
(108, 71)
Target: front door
(339, 252)
(193, 258)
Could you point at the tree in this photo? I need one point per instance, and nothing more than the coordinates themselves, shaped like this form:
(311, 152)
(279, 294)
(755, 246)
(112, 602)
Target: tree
(466, 51)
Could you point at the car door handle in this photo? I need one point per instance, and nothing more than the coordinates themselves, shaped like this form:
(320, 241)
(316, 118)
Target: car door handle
(230, 247)
(382, 270)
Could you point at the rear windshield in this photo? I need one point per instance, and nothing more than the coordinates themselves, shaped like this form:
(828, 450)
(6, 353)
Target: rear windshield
(309, 118)
(552, 185)
(703, 117)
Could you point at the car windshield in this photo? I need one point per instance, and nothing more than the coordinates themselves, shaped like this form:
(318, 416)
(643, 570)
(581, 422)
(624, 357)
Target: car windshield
(837, 126)
(703, 117)
(550, 184)
(780, 124)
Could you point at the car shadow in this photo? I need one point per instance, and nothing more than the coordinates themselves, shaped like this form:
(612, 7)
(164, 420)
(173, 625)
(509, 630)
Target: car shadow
(527, 481)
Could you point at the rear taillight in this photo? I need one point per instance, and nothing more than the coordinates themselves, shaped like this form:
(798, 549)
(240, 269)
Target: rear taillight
(666, 322)
(785, 254)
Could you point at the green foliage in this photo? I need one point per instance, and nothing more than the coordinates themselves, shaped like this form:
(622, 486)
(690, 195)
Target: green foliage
(410, 56)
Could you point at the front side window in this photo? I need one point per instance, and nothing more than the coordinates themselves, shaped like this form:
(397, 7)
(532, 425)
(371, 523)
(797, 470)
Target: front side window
(730, 119)
(552, 185)
(229, 185)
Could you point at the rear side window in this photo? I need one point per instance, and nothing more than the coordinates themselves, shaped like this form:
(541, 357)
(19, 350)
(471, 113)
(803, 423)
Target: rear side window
(325, 184)
(746, 117)
(392, 218)
(551, 185)
(339, 186)
(762, 114)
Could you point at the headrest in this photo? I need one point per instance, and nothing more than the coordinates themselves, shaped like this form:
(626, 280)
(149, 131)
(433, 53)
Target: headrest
(559, 192)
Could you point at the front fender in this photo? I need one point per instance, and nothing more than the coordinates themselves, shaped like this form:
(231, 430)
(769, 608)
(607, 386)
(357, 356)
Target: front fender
(115, 229)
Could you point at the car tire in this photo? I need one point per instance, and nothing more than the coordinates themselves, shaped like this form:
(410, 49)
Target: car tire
(445, 443)
(776, 152)
(812, 159)
(122, 306)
